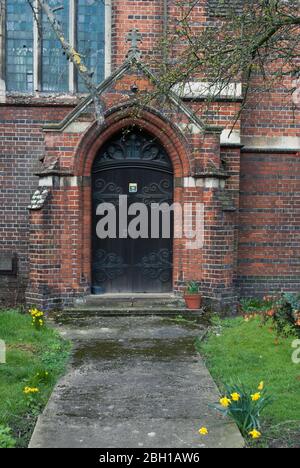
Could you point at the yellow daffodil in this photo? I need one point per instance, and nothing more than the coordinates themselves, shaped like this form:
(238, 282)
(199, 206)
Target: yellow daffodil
(255, 434)
(30, 390)
(35, 313)
(235, 396)
(256, 397)
(203, 431)
(261, 386)
(225, 402)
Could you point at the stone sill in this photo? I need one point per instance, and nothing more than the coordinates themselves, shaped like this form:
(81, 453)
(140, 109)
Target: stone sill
(211, 174)
(41, 99)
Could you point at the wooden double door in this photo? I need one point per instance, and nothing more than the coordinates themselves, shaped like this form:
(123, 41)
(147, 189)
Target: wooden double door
(132, 168)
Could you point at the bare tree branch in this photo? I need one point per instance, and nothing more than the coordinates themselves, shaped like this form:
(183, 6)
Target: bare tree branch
(73, 55)
(259, 40)
(249, 38)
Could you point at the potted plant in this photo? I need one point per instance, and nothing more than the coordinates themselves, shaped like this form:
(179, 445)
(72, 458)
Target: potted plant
(192, 296)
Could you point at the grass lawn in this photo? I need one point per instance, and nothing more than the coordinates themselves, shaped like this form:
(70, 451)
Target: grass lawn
(247, 351)
(35, 358)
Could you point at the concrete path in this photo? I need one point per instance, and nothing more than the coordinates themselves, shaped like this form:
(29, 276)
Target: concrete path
(134, 382)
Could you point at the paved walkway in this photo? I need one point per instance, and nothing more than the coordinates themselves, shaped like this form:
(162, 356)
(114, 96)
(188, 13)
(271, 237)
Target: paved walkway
(134, 382)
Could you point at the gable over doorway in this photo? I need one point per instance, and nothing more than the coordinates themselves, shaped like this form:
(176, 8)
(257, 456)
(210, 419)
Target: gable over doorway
(132, 167)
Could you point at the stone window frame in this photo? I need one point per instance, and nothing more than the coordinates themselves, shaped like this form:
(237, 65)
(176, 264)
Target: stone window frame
(37, 56)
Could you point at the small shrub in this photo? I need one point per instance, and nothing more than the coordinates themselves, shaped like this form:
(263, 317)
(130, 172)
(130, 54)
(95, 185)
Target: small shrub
(285, 314)
(245, 407)
(283, 310)
(254, 306)
(6, 439)
(192, 288)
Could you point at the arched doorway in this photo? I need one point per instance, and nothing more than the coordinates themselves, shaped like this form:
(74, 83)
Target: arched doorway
(136, 256)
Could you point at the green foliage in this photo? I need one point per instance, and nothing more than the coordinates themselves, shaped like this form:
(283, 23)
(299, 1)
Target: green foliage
(246, 352)
(293, 300)
(283, 310)
(286, 316)
(42, 377)
(255, 305)
(180, 319)
(245, 411)
(192, 288)
(34, 403)
(29, 352)
(6, 438)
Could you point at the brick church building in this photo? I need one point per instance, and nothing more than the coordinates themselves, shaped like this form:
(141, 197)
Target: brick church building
(57, 163)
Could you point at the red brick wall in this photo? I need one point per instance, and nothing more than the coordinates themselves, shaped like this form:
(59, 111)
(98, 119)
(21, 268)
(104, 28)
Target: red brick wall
(269, 223)
(146, 15)
(21, 147)
(252, 229)
(272, 113)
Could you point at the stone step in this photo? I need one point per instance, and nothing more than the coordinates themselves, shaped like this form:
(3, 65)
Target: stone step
(139, 301)
(96, 311)
(122, 305)
(83, 313)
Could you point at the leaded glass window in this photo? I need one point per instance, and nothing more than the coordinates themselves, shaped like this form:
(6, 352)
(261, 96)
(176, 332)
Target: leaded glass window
(90, 37)
(55, 76)
(19, 46)
(35, 60)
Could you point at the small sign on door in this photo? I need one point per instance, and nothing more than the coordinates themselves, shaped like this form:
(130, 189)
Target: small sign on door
(133, 187)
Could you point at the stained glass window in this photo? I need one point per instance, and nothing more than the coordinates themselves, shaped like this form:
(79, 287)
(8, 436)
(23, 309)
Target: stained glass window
(55, 70)
(19, 46)
(90, 37)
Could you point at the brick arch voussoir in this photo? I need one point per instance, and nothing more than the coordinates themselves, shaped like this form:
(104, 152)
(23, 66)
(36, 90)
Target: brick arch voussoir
(173, 142)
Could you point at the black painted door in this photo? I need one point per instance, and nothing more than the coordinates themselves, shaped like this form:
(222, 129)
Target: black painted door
(143, 174)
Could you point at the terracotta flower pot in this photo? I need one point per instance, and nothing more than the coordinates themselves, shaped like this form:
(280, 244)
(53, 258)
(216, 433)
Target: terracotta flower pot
(193, 301)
